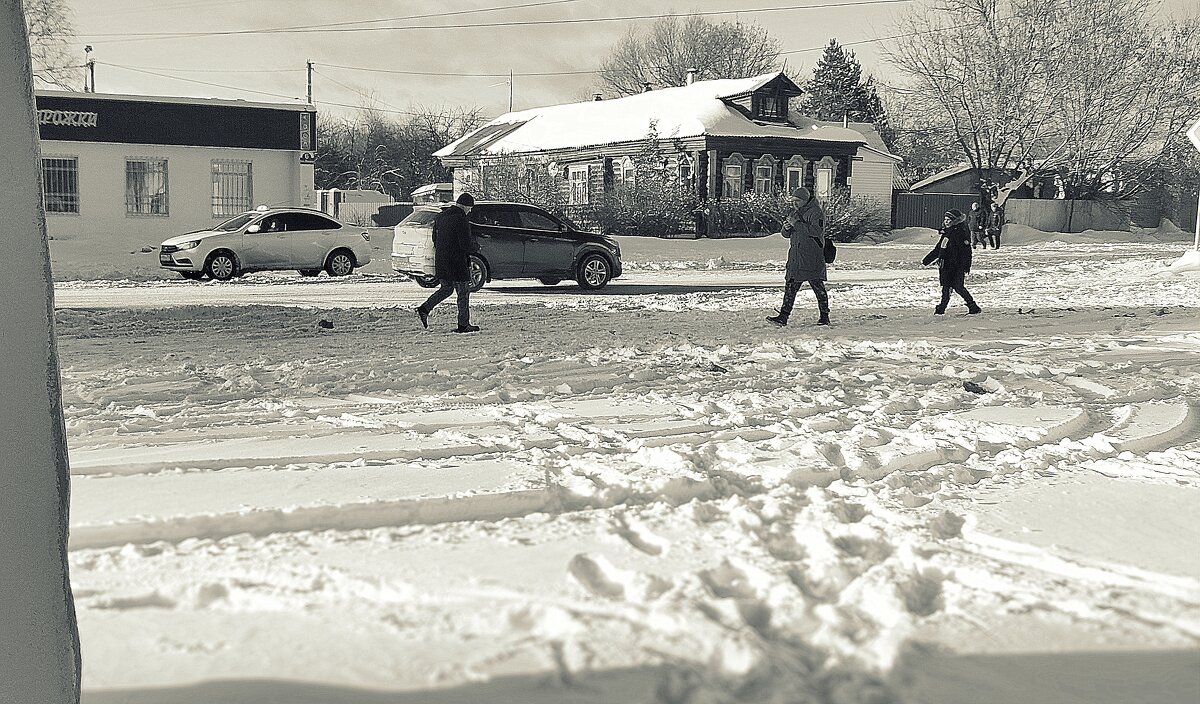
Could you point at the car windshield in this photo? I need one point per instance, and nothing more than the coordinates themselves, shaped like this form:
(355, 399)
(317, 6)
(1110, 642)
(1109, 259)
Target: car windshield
(236, 223)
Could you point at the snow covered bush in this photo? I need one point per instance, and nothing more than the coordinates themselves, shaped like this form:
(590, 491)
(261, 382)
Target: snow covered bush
(849, 218)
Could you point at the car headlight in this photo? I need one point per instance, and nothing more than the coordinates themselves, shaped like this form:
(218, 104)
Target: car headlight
(190, 245)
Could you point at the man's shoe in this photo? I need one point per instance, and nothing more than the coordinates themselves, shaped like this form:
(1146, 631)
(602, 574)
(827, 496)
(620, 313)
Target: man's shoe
(939, 311)
(823, 320)
(423, 317)
(972, 310)
(467, 328)
(777, 319)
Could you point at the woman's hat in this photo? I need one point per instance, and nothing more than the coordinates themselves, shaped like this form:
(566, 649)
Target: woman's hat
(801, 193)
(954, 213)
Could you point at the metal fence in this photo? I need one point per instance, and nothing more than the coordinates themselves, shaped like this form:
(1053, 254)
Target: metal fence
(927, 209)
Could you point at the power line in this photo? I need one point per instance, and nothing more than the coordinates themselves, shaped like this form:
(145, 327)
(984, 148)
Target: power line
(203, 83)
(154, 36)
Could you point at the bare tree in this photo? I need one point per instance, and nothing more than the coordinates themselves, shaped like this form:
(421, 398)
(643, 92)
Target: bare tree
(50, 31)
(1072, 87)
(394, 156)
(674, 44)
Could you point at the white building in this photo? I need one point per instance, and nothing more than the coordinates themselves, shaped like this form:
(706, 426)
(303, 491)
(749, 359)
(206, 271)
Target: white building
(125, 166)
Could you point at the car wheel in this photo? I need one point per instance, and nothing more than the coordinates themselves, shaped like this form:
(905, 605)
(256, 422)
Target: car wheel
(478, 273)
(340, 263)
(310, 272)
(192, 275)
(426, 281)
(594, 272)
(549, 280)
(221, 265)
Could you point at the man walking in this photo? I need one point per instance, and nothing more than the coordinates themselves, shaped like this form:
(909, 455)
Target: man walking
(805, 227)
(453, 244)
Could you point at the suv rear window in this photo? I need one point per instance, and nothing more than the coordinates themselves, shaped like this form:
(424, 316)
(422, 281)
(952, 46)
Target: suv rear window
(420, 217)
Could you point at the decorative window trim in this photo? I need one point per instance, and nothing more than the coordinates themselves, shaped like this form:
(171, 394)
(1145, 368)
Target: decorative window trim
(766, 161)
(826, 165)
(797, 165)
(732, 184)
(78, 186)
(685, 163)
(131, 208)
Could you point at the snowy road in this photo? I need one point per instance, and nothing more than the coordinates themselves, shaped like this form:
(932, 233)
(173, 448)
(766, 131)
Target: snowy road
(644, 495)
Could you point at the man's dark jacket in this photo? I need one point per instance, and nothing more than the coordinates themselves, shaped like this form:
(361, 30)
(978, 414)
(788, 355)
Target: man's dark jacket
(453, 243)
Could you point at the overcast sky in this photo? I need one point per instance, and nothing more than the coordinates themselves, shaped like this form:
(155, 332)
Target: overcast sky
(271, 67)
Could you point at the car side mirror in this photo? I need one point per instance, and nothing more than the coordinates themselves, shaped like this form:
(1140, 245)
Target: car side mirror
(562, 227)
(252, 229)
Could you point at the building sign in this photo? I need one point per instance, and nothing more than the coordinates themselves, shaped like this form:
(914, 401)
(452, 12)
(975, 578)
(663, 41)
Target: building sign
(122, 120)
(306, 142)
(308, 157)
(68, 118)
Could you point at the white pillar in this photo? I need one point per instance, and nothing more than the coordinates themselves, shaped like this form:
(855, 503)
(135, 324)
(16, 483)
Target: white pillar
(39, 642)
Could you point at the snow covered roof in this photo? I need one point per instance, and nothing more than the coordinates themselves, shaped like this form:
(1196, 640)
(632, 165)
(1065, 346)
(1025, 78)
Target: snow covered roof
(874, 140)
(941, 175)
(695, 110)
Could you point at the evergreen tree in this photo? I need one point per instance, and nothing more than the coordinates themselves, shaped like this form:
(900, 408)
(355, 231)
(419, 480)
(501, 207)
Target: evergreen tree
(837, 90)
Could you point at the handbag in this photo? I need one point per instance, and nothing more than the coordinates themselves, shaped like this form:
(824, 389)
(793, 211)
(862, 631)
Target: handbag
(830, 251)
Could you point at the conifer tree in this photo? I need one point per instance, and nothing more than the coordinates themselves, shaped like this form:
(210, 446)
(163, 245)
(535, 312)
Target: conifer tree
(837, 90)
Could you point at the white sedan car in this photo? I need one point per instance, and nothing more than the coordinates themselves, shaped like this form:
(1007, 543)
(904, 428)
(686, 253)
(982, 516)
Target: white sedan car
(269, 239)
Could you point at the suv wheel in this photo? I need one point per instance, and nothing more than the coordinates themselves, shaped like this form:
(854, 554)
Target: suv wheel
(221, 265)
(549, 280)
(427, 281)
(594, 272)
(478, 273)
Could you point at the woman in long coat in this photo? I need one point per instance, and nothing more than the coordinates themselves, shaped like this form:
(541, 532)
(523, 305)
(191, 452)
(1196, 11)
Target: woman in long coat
(953, 256)
(805, 227)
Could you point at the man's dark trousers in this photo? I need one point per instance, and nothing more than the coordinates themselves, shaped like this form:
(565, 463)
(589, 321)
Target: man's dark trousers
(463, 288)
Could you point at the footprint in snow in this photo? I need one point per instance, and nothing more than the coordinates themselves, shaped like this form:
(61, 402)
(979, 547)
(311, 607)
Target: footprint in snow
(602, 578)
(922, 592)
(640, 538)
(727, 581)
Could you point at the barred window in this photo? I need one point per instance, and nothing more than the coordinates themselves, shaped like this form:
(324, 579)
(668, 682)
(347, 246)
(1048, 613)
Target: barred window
(146, 187)
(233, 187)
(578, 177)
(60, 184)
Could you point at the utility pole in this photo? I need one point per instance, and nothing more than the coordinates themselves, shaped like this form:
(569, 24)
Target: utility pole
(310, 70)
(510, 90)
(91, 70)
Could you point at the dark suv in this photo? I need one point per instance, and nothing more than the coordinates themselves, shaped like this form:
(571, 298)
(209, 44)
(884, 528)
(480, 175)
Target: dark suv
(516, 241)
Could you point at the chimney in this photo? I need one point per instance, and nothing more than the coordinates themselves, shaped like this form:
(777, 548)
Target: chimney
(691, 78)
(597, 96)
(646, 87)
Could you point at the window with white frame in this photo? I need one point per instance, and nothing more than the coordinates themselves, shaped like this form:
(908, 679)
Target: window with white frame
(146, 191)
(795, 175)
(731, 185)
(232, 187)
(628, 171)
(824, 182)
(578, 179)
(60, 184)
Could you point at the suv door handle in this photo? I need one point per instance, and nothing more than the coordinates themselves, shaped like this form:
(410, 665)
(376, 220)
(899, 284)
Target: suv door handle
(484, 237)
(534, 239)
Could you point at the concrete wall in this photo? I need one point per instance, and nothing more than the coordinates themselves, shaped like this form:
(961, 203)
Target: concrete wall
(1066, 215)
(278, 179)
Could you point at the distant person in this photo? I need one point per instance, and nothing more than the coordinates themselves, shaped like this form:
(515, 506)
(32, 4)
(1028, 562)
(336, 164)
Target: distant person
(995, 225)
(453, 245)
(804, 225)
(977, 219)
(953, 256)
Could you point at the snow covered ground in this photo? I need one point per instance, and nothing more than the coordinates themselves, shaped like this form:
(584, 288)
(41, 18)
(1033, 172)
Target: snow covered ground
(285, 491)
